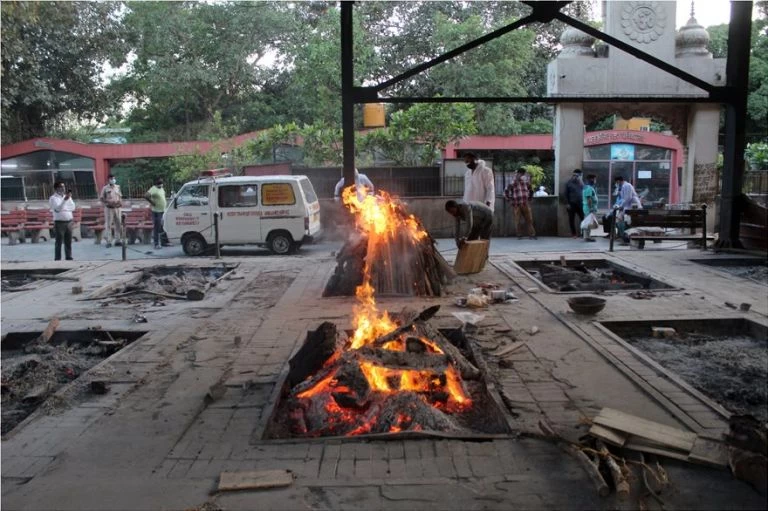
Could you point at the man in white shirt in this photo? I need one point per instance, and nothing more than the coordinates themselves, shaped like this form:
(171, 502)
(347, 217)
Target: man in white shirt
(627, 199)
(62, 206)
(478, 182)
(361, 180)
(112, 198)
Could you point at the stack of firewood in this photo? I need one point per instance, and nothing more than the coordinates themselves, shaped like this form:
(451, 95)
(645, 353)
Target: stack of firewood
(401, 266)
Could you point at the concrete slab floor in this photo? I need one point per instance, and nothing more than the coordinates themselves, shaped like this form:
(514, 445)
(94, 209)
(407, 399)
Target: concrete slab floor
(152, 442)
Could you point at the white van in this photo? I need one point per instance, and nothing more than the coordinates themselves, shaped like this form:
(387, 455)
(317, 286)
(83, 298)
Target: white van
(279, 212)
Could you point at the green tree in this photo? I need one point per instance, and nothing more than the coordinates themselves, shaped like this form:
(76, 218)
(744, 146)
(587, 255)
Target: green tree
(52, 58)
(193, 59)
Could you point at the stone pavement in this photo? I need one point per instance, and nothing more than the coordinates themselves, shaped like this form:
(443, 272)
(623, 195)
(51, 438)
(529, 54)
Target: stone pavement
(155, 442)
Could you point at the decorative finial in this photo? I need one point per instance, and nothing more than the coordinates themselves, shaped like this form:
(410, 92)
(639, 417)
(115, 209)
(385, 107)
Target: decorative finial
(693, 15)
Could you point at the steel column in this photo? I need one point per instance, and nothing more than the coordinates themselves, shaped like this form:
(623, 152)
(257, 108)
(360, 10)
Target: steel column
(737, 80)
(347, 93)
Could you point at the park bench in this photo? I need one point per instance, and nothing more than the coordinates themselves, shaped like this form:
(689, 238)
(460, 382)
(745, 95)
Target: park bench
(138, 224)
(677, 219)
(39, 223)
(92, 221)
(12, 224)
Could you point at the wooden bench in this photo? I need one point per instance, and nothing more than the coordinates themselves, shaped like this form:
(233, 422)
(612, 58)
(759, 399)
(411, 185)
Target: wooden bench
(38, 224)
(138, 225)
(77, 220)
(12, 224)
(93, 222)
(690, 219)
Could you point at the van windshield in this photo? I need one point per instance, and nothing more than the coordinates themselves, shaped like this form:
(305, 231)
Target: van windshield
(192, 195)
(309, 191)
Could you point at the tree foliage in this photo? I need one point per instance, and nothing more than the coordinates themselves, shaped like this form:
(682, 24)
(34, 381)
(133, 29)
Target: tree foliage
(52, 57)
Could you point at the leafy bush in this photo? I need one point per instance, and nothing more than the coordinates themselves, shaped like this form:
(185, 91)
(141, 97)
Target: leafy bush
(757, 155)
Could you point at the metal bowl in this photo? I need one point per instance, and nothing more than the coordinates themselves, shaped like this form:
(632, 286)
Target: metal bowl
(586, 304)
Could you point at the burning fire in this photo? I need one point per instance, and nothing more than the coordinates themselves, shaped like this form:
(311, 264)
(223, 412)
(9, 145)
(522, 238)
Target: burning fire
(376, 217)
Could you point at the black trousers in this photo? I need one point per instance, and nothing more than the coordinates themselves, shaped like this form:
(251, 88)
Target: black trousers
(63, 232)
(481, 230)
(573, 210)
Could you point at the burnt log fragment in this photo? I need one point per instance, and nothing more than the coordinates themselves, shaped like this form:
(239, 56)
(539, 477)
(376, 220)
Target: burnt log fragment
(318, 347)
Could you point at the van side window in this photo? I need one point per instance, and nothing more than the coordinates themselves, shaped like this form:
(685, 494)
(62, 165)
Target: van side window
(309, 191)
(238, 196)
(192, 195)
(277, 194)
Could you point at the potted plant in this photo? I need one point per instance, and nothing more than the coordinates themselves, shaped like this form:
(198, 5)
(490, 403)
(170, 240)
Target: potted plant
(757, 155)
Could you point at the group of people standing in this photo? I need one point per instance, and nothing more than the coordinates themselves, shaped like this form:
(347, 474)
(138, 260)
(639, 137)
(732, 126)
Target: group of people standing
(581, 201)
(111, 197)
(477, 205)
(475, 209)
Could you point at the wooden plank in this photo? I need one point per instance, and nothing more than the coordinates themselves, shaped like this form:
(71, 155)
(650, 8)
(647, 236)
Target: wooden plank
(709, 452)
(254, 480)
(659, 433)
(507, 349)
(636, 445)
(609, 435)
(471, 257)
(53, 324)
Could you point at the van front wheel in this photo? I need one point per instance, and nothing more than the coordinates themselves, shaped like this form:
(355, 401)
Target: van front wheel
(193, 244)
(281, 243)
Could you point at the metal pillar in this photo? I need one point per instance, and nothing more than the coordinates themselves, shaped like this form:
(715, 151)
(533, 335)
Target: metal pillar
(737, 80)
(347, 93)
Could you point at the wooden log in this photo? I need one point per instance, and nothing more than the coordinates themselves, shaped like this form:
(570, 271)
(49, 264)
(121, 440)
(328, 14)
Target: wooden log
(115, 286)
(403, 359)
(397, 332)
(467, 370)
(592, 470)
(318, 347)
(619, 481)
(45, 337)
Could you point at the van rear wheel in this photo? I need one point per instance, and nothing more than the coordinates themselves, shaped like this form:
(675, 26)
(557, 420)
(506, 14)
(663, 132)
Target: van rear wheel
(193, 245)
(281, 243)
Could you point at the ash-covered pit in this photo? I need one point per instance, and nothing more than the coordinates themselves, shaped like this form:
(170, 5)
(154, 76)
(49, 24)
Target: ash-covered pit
(416, 387)
(745, 267)
(725, 359)
(21, 280)
(165, 282)
(33, 370)
(588, 275)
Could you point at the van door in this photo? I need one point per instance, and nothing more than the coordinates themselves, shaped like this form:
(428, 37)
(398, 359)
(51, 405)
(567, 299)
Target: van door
(281, 210)
(190, 211)
(239, 213)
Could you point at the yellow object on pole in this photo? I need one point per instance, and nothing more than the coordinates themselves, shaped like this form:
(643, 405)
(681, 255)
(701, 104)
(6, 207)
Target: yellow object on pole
(373, 115)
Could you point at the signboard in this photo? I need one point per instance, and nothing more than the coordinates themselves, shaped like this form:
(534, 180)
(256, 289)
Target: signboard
(277, 194)
(644, 174)
(622, 152)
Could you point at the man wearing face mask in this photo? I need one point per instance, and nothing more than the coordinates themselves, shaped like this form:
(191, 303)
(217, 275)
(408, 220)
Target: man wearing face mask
(112, 198)
(478, 182)
(62, 206)
(156, 197)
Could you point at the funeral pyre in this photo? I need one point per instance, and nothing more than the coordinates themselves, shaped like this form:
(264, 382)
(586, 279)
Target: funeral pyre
(401, 260)
(392, 373)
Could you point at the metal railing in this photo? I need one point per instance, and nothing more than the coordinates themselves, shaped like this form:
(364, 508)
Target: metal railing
(756, 182)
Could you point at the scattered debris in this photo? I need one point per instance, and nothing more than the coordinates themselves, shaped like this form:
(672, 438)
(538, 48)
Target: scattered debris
(663, 331)
(77, 290)
(638, 434)
(532, 290)
(729, 304)
(469, 318)
(744, 307)
(99, 387)
(642, 295)
(139, 318)
(254, 480)
(215, 392)
(508, 349)
(534, 330)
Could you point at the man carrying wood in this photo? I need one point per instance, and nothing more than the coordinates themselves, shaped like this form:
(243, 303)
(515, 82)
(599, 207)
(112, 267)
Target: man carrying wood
(478, 217)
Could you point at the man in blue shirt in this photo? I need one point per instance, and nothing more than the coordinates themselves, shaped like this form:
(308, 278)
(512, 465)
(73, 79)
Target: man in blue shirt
(589, 203)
